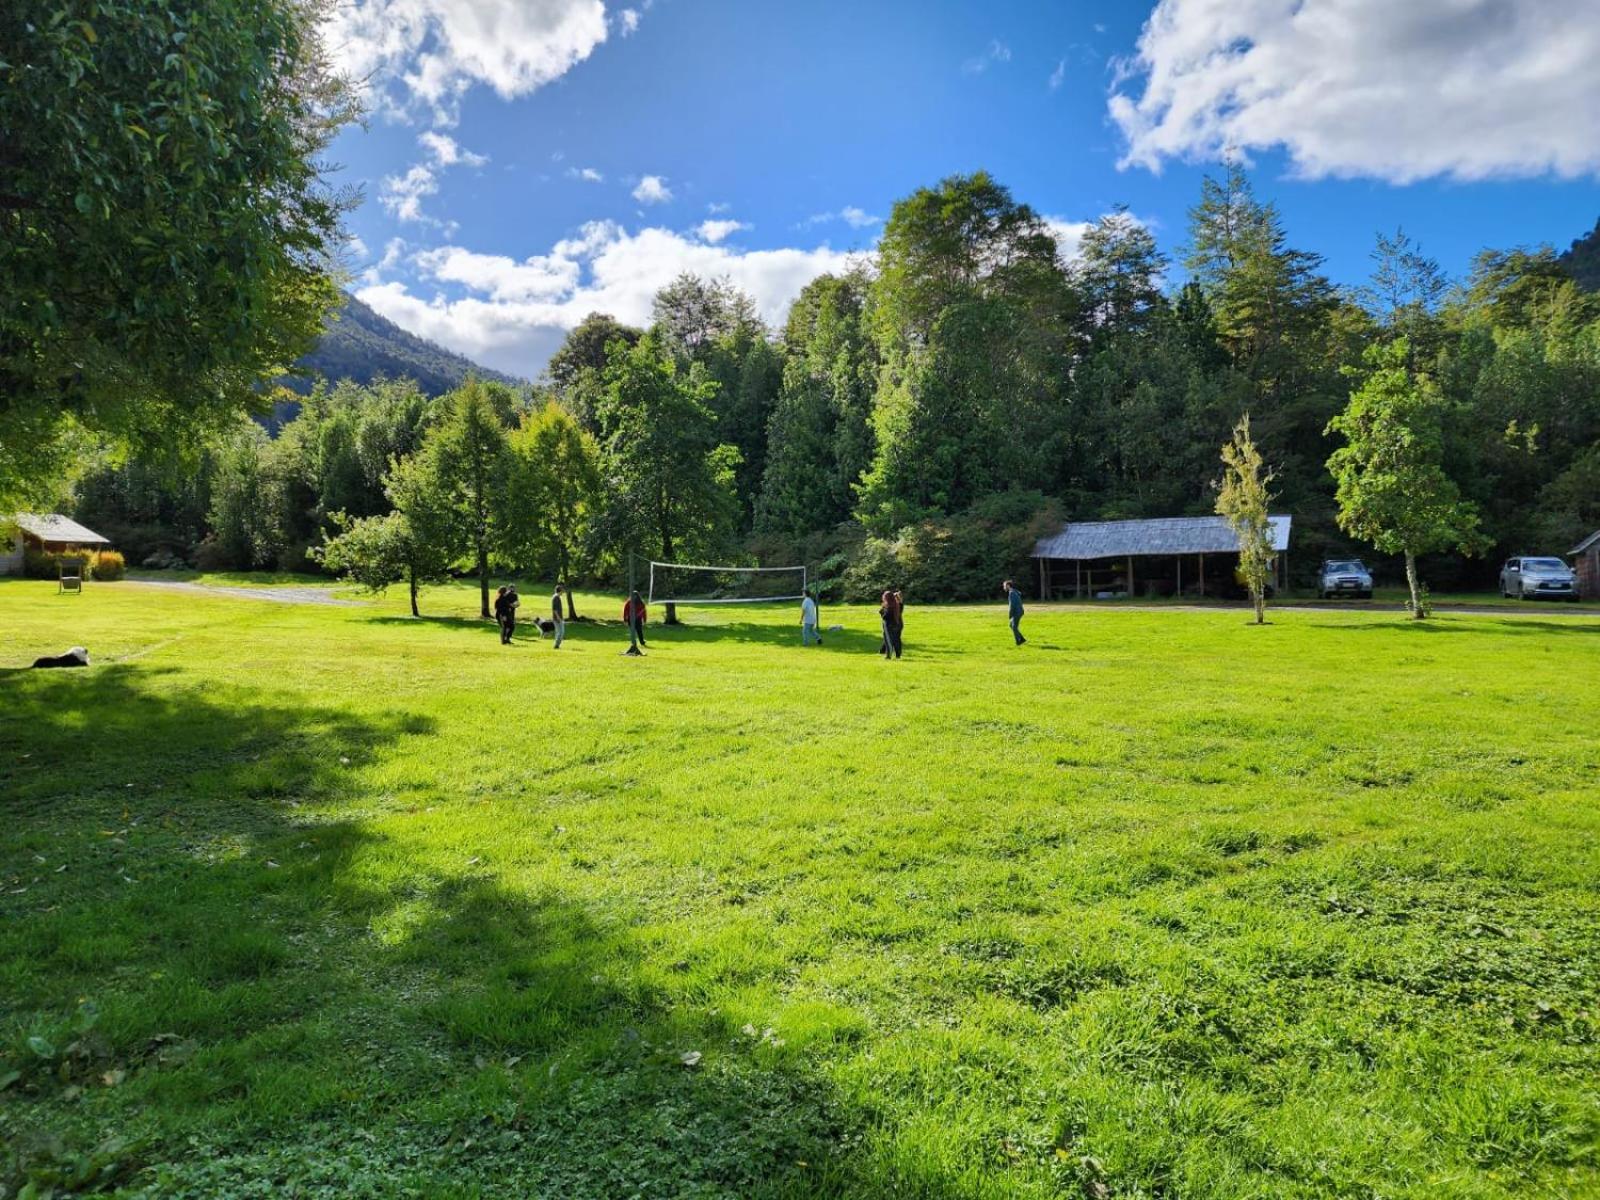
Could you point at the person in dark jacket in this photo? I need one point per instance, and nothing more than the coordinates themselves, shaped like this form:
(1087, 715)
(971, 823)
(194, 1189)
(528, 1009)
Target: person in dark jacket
(892, 613)
(633, 616)
(1014, 610)
(505, 613)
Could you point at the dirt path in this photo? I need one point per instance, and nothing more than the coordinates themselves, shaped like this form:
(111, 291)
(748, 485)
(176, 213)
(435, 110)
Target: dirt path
(281, 595)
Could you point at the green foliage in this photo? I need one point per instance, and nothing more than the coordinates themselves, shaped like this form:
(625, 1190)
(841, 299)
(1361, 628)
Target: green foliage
(669, 481)
(466, 456)
(1244, 498)
(1392, 487)
(165, 238)
(959, 558)
(1581, 260)
(552, 493)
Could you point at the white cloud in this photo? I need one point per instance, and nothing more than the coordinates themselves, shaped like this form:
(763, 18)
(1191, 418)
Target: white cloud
(1397, 89)
(447, 152)
(652, 189)
(431, 51)
(628, 18)
(512, 314)
(998, 52)
(852, 216)
(716, 231)
(401, 195)
(1058, 76)
(356, 248)
(587, 174)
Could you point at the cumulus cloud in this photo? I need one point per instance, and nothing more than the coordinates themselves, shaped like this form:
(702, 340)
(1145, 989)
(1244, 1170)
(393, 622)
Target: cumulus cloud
(998, 52)
(447, 152)
(512, 314)
(401, 195)
(430, 52)
(1401, 91)
(587, 174)
(716, 231)
(628, 19)
(652, 189)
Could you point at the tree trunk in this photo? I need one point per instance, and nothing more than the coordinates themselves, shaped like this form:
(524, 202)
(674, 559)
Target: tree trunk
(566, 582)
(1259, 596)
(413, 580)
(483, 580)
(1411, 581)
(666, 550)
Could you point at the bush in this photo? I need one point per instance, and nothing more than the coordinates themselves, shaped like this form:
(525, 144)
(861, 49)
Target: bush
(956, 558)
(108, 565)
(41, 564)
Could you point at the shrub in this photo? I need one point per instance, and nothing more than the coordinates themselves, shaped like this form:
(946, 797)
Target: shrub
(108, 565)
(42, 564)
(955, 558)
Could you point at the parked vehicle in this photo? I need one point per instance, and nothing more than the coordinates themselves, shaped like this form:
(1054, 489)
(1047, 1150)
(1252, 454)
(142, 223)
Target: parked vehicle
(1344, 577)
(1537, 579)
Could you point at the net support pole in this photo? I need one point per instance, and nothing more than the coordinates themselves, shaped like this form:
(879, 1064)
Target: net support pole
(633, 628)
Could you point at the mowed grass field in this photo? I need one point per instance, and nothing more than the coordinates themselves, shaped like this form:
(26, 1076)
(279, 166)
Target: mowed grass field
(325, 901)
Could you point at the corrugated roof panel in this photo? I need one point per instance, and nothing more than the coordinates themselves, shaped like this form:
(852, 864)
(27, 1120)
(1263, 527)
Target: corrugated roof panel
(53, 527)
(1162, 535)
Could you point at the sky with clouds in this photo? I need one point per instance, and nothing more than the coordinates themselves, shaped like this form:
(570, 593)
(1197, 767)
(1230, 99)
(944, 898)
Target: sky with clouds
(527, 162)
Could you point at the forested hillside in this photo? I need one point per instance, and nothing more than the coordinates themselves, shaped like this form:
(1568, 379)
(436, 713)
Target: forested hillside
(362, 345)
(1582, 260)
(922, 419)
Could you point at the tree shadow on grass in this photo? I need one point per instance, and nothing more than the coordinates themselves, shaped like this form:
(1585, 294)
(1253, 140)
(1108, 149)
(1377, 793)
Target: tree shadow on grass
(1478, 625)
(289, 998)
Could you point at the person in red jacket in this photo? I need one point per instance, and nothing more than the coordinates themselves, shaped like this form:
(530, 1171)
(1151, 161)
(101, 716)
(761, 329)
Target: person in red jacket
(633, 616)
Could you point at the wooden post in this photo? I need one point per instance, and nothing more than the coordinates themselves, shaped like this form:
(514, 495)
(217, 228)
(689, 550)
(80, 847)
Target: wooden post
(1077, 579)
(1202, 574)
(1130, 577)
(1179, 592)
(1044, 588)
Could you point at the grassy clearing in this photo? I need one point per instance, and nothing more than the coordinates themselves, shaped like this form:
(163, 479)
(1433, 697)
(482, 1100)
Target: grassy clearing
(327, 901)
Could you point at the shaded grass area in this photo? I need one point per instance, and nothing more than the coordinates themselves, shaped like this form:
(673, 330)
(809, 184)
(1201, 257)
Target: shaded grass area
(333, 902)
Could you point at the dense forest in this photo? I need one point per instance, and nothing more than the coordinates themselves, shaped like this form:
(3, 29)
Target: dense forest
(922, 418)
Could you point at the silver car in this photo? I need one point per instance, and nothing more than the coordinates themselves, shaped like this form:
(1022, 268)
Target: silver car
(1344, 577)
(1537, 579)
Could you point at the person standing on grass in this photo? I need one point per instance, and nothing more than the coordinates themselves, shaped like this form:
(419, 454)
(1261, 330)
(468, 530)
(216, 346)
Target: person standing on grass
(502, 615)
(633, 616)
(808, 620)
(899, 621)
(890, 612)
(1014, 607)
(555, 615)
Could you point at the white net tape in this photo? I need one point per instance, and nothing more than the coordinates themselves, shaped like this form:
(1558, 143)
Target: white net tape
(684, 583)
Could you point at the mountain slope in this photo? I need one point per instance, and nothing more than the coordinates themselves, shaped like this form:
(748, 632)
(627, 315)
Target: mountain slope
(362, 345)
(1582, 260)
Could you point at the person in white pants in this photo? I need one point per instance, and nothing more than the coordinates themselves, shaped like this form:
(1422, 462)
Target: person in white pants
(556, 615)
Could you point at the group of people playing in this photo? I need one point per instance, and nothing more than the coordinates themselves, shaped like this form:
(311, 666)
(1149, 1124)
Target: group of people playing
(507, 601)
(891, 613)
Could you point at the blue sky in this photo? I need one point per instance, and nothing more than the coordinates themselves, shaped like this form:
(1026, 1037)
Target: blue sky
(527, 161)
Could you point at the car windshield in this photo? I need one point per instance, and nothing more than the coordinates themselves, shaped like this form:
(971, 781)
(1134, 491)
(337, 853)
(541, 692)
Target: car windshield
(1543, 564)
(1346, 565)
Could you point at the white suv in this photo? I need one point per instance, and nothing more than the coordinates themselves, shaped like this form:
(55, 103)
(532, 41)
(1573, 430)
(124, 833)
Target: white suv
(1537, 579)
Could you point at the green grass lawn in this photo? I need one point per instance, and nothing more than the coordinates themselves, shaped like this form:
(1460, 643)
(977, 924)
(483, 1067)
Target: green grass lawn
(325, 901)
